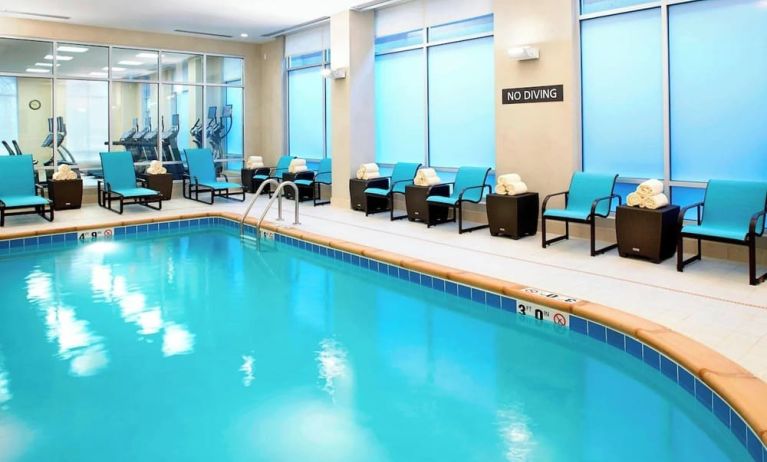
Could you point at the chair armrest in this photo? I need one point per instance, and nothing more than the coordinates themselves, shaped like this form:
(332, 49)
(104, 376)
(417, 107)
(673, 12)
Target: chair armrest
(392, 185)
(754, 219)
(460, 196)
(40, 189)
(451, 184)
(546, 199)
(141, 181)
(226, 178)
(684, 210)
(596, 202)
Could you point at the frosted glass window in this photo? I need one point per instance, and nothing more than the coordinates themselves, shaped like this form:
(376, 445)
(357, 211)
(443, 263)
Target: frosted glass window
(328, 120)
(458, 29)
(594, 6)
(622, 94)
(400, 107)
(9, 110)
(305, 108)
(718, 90)
(461, 104)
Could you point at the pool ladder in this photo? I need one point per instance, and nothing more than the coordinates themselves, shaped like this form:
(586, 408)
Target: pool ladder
(276, 195)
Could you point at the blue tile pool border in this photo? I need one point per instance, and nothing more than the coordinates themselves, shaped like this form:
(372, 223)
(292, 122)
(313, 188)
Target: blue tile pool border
(634, 347)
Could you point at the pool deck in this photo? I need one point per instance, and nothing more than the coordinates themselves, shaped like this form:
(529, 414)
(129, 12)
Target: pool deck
(711, 302)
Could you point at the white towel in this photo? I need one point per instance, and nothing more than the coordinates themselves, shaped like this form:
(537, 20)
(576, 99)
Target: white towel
(427, 180)
(508, 178)
(368, 171)
(634, 199)
(500, 188)
(650, 188)
(655, 202)
(426, 173)
(64, 173)
(515, 188)
(254, 162)
(296, 164)
(156, 168)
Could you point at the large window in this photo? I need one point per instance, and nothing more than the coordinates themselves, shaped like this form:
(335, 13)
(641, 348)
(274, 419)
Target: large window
(711, 87)
(67, 102)
(435, 88)
(308, 116)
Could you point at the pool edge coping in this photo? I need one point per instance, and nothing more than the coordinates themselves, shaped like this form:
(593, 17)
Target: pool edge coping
(745, 393)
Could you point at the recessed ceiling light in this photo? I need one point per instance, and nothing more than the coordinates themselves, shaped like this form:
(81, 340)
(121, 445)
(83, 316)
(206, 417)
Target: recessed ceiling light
(114, 69)
(129, 63)
(99, 74)
(37, 70)
(244, 35)
(59, 58)
(147, 55)
(71, 49)
(44, 64)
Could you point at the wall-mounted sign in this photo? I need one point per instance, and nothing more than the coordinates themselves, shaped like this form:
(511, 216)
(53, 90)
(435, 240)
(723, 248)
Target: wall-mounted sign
(546, 94)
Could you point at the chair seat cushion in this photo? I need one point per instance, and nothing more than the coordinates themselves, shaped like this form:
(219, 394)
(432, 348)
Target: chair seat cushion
(218, 185)
(261, 177)
(377, 192)
(570, 214)
(716, 231)
(23, 201)
(304, 182)
(446, 200)
(136, 192)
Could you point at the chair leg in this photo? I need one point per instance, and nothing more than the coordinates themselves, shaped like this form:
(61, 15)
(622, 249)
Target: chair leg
(594, 250)
(461, 229)
(753, 279)
(544, 242)
(680, 261)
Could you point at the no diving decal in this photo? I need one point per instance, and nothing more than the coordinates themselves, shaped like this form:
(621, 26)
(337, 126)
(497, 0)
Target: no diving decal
(545, 94)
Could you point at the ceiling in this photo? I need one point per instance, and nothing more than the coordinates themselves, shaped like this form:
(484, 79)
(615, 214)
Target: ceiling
(227, 17)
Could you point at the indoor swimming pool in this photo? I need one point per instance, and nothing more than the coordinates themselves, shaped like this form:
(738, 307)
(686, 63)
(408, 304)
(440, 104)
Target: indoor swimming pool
(193, 345)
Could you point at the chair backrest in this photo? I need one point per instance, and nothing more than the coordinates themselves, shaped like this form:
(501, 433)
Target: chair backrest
(403, 171)
(469, 177)
(283, 164)
(200, 164)
(118, 169)
(730, 204)
(17, 175)
(324, 171)
(586, 187)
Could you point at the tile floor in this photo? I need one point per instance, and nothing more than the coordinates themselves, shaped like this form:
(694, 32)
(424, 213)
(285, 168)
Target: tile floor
(710, 302)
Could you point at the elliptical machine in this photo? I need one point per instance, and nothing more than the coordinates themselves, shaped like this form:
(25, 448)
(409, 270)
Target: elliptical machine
(171, 153)
(217, 134)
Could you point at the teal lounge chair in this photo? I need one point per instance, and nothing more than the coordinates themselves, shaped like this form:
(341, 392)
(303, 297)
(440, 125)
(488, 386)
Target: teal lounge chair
(315, 180)
(120, 183)
(273, 173)
(18, 190)
(733, 213)
(382, 199)
(469, 186)
(201, 178)
(590, 196)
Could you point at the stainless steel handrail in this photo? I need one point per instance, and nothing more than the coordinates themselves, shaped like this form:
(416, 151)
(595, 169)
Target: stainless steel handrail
(277, 195)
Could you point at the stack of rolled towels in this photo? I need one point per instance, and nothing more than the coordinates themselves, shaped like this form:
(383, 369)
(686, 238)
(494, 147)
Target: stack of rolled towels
(426, 177)
(254, 162)
(64, 172)
(648, 195)
(510, 184)
(368, 171)
(156, 168)
(297, 166)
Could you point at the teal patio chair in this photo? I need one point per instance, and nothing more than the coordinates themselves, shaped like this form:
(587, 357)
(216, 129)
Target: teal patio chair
(272, 173)
(733, 212)
(201, 178)
(18, 190)
(314, 180)
(469, 186)
(590, 196)
(120, 183)
(382, 199)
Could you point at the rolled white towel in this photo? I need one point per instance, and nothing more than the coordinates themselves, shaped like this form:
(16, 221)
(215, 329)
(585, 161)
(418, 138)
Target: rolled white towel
(655, 202)
(426, 173)
(634, 199)
(516, 187)
(296, 164)
(64, 172)
(650, 188)
(501, 188)
(254, 165)
(427, 180)
(256, 159)
(368, 171)
(508, 178)
(156, 168)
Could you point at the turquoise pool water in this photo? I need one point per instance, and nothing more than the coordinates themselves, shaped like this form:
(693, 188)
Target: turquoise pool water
(195, 347)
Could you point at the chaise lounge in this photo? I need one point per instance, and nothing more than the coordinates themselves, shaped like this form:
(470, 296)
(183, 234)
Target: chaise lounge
(120, 183)
(201, 178)
(18, 190)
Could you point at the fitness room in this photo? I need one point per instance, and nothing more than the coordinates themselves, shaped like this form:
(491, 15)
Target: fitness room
(383, 230)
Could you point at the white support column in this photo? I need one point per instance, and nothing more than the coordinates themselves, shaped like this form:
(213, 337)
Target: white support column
(352, 47)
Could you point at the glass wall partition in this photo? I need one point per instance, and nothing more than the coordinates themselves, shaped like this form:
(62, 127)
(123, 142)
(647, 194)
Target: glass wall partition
(67, 102)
